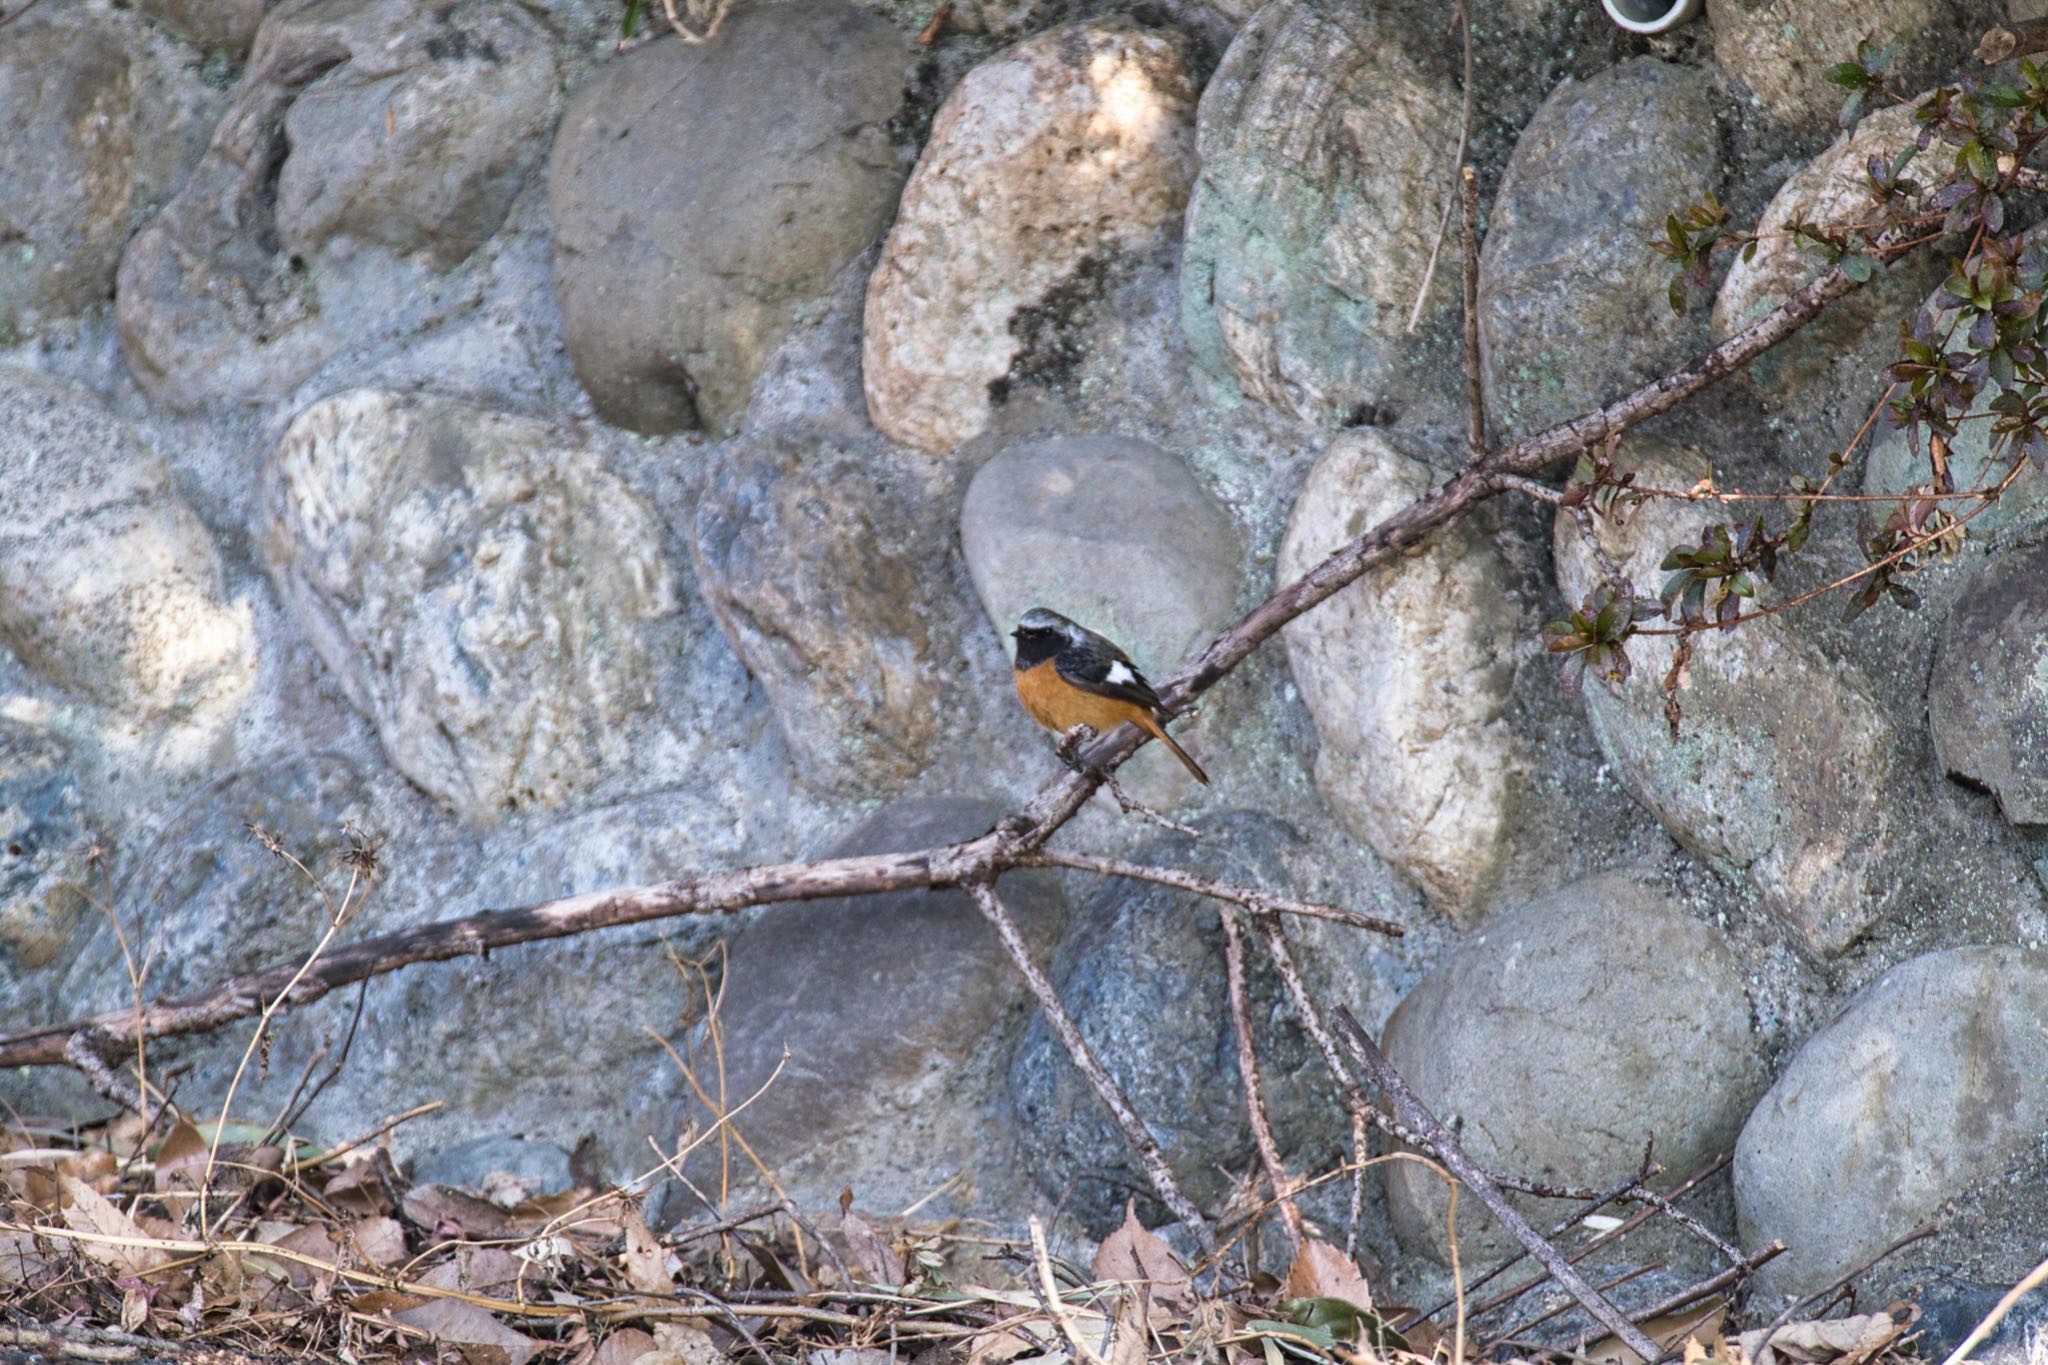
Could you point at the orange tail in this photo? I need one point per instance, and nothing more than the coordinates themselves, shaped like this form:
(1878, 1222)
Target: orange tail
(1158, 732)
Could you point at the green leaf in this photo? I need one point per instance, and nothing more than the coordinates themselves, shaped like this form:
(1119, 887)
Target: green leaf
(1677, 296)
(1848, 75)
(1859, 267)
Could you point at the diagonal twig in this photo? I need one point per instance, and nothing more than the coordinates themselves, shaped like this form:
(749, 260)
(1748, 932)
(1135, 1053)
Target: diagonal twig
(1411, 1111)
(1049, 1003)
(1248, 1072)
(1249, 898)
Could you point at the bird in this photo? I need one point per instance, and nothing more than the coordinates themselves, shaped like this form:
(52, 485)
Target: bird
(1067, 676)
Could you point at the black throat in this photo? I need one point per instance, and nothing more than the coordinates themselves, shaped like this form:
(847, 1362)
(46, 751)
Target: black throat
(1034, 647)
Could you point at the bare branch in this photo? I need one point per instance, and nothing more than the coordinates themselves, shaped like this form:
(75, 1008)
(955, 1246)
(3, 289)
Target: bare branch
(1248, 1071)
(1134, 1130)
(953, 864)
(1475, 385)
(1246, 896)
(1445, 1148)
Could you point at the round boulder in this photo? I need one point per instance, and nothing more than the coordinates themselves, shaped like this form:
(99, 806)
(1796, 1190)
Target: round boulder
(1832, 188)
(1988, 700)
(210, 867)
(1783, 758)
(1109, 530)
(1931, 1082)
(1325, 142)
(482, 585)
(1143, 974)
(1572, 307)
(895, 1013)
(1120, 536)
(48, 856)
(1074, 145)
(462, 113)
(1406, 675)
(94, 132)
(836, 581)
(1782, 49)
(1566, 1034)
(702, 195)
(110, 585)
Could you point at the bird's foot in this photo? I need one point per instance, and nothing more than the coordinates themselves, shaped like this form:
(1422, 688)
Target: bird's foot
(1069, 747)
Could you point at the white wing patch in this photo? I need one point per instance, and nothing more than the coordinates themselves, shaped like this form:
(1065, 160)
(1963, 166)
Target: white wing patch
(1120, 672)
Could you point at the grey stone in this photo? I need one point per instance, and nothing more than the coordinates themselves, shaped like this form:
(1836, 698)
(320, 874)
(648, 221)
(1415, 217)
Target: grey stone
(1782, 49)
(1951, 1307)
(227, 26)
(1565, 1035)
(1406, 676)
(1783, 762)
(1832, 188)
(52, 868)
(1325, 139)
(832, 575)
(486, 590)
(1120, 536)
(95, 131)
(1142, 974)
(1898, 464)
(1109, 530)
(110, 586)
(217, 299)
(1928, 1084)
(460, 104)
(541, 1167)
(1047, 159)
(207, 900)
(703, 196)
(895, 1012)
(1987, 702)
(1572, 309)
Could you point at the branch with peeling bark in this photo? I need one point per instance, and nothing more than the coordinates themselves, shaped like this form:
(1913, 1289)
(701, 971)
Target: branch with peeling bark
(974, 864)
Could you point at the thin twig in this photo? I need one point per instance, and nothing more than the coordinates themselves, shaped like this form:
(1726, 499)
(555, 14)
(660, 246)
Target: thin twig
(2036, 1277)
(1463, 21)
(1557, 1229)
(1246, 896)
(1468, 216)
(1064, 1028)
(1446, 1149)
(1607, 1238)
(1248, 1072)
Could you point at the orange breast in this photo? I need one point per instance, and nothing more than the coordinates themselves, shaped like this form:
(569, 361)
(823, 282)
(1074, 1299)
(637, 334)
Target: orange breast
(1059, 706)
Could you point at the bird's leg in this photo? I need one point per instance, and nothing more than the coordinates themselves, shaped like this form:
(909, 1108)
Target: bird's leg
(1069, 747)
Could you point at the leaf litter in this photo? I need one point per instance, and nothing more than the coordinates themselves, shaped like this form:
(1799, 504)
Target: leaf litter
(337, 1257)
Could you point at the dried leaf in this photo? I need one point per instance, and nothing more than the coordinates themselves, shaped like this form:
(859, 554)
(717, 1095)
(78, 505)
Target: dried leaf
(379, 1241)
(180, 1160)
(1849, 1341)
(645, 1259)
(363, 1185)
(1134, 1256)
(481, 1338)
(89, 1211)
(1321, 1271)
(490, 1271)
(1702, 1324)
(448, 1214)
(679, 1343)
(624, 1348)
(873, 1258)
(317, 1241)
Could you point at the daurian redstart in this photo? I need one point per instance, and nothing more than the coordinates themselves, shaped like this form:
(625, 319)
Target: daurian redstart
(1069, 676)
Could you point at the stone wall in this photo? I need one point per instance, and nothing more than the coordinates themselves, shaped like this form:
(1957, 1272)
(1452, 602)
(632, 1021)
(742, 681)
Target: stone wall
(580, 468)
